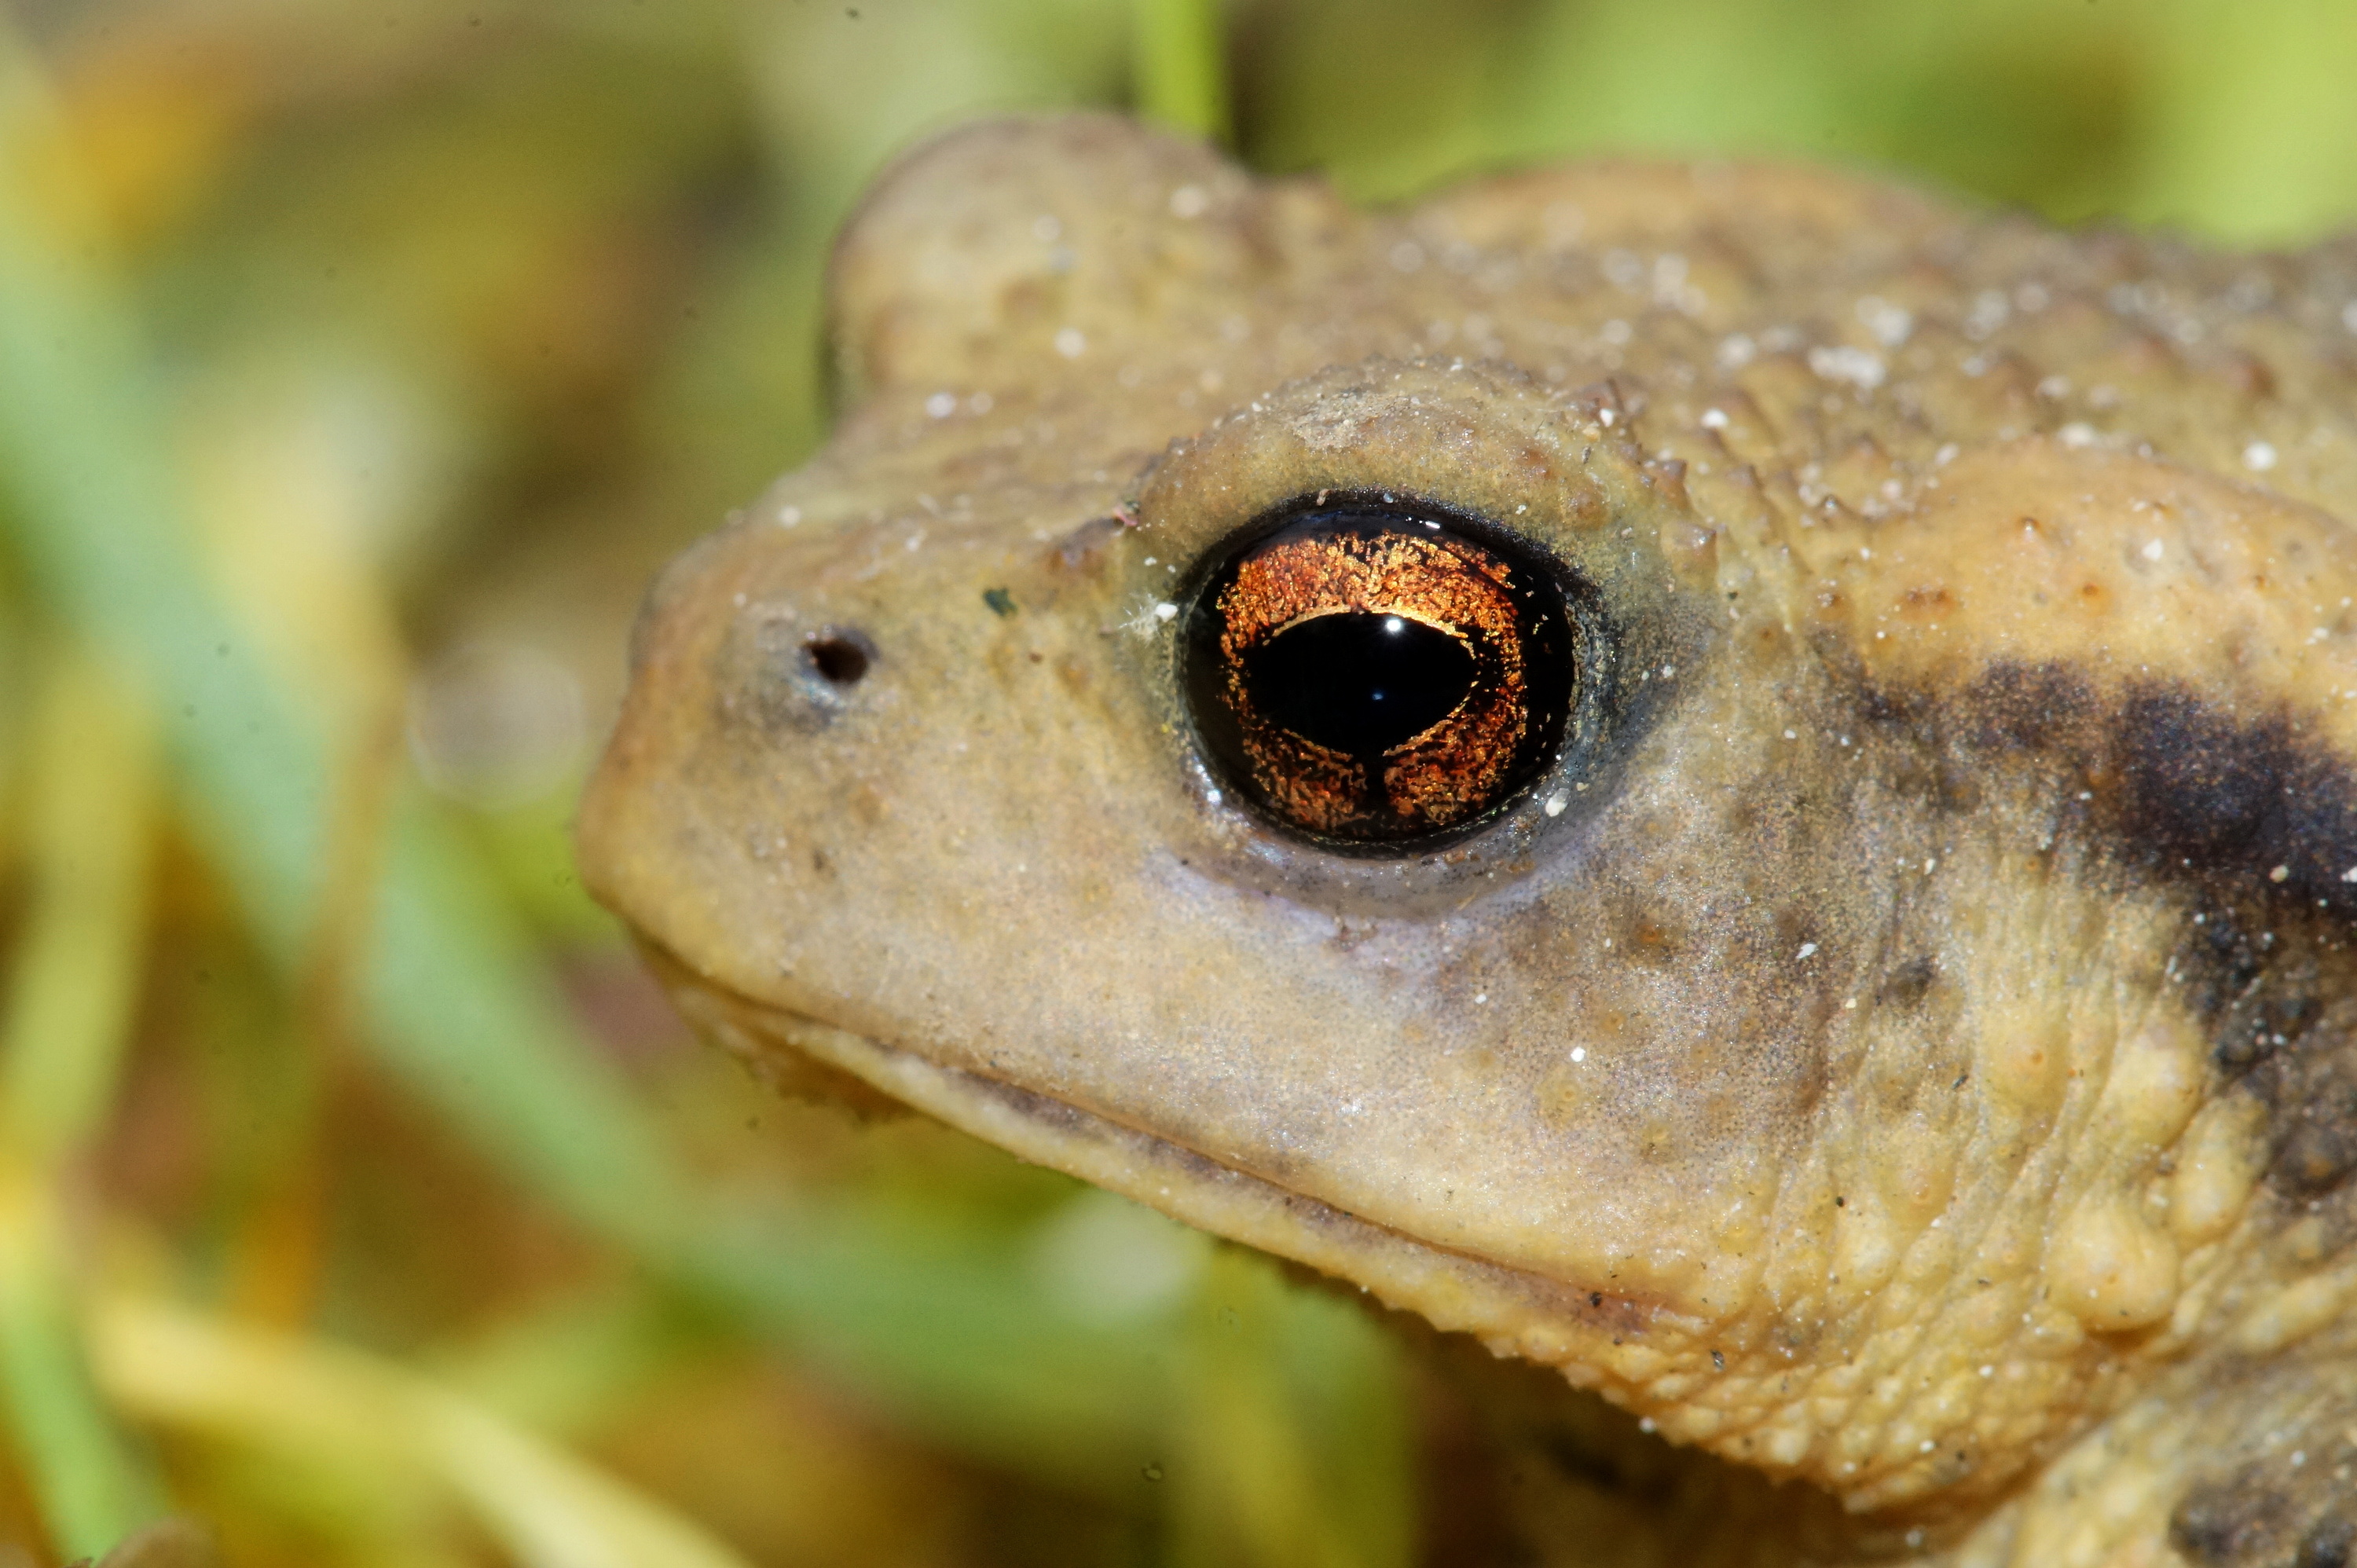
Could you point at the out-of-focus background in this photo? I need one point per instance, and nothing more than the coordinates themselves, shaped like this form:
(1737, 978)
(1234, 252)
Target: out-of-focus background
(360, 359)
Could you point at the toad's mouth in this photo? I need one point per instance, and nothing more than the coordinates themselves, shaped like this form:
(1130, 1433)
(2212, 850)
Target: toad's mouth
(1513, 1310)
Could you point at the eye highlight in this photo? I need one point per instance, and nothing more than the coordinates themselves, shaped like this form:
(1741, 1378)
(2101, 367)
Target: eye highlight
(1377, 672)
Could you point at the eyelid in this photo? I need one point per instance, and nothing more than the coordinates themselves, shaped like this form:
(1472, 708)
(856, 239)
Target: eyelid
(1484, 443)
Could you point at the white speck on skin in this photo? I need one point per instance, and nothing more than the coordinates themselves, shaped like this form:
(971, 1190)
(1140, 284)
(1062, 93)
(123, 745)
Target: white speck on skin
(1190, 202)
(1480, 996)
(2078, 433)
(1789, 735)
(1558, 800)
(1669, 672)
(789, 516)
(1165, 610)
(1989, 1372)
(2153, 551)
(1071, 342)
(1646, 1425)
(2280, 874)
(1930, 865)
(1945, 454)
(1850, 1005)
(2259, 456)
(1714, 419)
(1857, 367)
(941, 404)
(1890, 323)
(1579, 1053)
(1808, 950)
(1606, 417)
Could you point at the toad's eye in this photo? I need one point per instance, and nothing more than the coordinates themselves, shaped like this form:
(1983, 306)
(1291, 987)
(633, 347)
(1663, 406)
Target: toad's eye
(1373, 673)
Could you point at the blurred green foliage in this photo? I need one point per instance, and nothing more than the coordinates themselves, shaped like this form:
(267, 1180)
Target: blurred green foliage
(358, 1195)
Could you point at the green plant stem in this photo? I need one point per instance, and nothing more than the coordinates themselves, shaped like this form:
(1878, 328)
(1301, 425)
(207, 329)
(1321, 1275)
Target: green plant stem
(92, 1487)
(71, 989)
(1178, 64)
(75, 974)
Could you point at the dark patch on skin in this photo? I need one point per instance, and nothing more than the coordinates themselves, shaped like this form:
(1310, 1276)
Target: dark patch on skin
(2316, 1132)
(2288, 1508)
(2024, 708)
(2179, 785)
(2229, 954)
(2329, 1543)
(2282, 1041)
(2228, 1523)
(1907, 982)
(2229, 795)
(2251, 819)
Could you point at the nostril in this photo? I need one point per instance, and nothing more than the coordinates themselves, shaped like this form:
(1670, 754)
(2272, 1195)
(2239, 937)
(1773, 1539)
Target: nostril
(839, 658)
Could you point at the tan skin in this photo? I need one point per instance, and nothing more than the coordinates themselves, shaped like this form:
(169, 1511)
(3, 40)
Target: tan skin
(1899, 1040)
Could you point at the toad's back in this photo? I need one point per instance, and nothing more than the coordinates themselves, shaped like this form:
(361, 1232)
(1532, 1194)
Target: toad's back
(1857, 971)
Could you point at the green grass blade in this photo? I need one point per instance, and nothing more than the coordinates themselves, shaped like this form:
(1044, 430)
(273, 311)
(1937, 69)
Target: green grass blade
(72, 988)
(92, 1487)
(1178, 66)
(74, 978)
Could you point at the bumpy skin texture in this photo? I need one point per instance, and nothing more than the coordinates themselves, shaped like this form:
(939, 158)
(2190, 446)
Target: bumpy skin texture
(1913, 1060)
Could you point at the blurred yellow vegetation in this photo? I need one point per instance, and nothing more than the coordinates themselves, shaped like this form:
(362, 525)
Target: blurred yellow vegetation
(359, 1198)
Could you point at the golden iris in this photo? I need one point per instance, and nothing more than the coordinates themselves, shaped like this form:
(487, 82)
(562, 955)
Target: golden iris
(1377, 672)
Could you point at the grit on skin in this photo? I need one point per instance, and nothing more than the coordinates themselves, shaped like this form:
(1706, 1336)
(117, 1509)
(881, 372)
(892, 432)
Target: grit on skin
(1903, 1047)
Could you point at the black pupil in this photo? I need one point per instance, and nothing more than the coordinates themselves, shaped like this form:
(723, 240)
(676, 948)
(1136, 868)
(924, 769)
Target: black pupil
(1357, 682)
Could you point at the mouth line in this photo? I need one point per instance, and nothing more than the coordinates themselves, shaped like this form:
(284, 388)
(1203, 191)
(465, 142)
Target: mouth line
(1513, 1310)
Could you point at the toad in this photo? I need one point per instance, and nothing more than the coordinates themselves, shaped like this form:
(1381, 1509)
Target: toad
(1738, 781)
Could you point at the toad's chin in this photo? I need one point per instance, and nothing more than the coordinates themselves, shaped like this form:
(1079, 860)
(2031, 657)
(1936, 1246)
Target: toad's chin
(1514, 1311)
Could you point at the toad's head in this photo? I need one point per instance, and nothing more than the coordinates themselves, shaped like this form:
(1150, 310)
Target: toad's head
(1605, 757)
